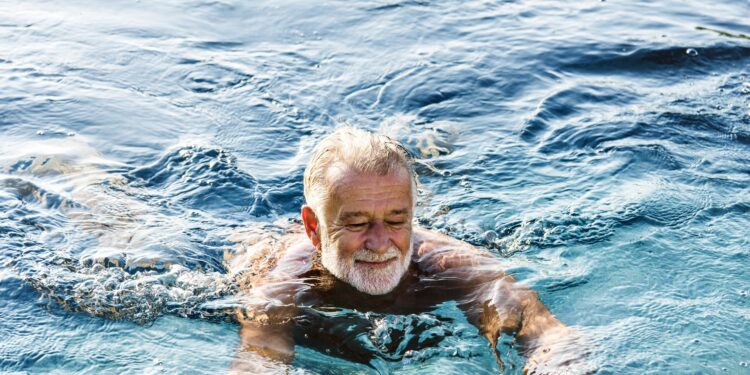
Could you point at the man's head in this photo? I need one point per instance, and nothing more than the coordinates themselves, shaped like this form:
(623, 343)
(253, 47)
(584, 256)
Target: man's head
(360, 190)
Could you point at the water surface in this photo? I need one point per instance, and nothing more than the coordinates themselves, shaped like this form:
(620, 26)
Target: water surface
(600, 149)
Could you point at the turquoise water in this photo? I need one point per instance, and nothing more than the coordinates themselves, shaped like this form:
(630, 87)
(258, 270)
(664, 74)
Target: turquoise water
(600, 149)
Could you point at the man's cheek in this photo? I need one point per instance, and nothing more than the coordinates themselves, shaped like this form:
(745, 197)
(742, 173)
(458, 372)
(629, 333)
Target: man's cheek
(347, 246)
(403, 240)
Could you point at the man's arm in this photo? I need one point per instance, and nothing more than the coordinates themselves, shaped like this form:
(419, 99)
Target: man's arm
(267, 343)
(495, 303)
(263, 349)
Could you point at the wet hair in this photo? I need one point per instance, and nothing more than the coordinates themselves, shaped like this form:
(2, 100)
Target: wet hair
(356, 149)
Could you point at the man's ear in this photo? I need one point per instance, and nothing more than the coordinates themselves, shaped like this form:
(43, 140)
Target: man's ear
(310, 221)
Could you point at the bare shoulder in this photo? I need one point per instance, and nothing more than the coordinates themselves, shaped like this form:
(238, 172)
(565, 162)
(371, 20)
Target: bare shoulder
(274, 252)
(437, 252)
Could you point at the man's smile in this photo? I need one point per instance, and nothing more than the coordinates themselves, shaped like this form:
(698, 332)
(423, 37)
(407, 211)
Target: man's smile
(376, 265)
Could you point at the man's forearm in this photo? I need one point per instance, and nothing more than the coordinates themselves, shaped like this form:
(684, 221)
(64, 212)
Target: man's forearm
(263, 349)
(537, 321)
(251, 362)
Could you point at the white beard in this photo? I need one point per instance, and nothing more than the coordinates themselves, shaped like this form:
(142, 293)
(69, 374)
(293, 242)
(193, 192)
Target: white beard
(374, 281)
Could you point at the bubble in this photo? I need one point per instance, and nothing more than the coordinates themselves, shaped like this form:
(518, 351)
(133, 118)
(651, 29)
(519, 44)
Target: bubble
(490, 236)
(691, 52)
(41, 132)
(743, 364)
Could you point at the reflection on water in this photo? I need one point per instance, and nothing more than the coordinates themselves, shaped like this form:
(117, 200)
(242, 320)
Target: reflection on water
(599, 149)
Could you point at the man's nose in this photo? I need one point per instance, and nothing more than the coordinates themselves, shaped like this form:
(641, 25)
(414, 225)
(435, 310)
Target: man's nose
(377, 237)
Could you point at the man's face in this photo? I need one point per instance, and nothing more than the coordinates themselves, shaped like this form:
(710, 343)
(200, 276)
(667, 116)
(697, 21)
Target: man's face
(366, 240)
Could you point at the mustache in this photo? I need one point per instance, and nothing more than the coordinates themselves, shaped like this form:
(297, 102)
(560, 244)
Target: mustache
(371, 256)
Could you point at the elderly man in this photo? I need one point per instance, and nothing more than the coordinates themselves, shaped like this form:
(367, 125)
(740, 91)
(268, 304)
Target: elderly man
(361, 250)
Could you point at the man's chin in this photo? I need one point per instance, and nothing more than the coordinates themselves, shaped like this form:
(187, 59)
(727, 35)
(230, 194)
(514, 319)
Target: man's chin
(374, 290)
(375, 282)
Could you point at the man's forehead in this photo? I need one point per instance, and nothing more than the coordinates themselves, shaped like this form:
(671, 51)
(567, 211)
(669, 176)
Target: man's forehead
(341, 176)
(351, 191)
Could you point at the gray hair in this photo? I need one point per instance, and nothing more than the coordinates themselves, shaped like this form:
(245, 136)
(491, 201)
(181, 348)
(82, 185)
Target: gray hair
(360, 150)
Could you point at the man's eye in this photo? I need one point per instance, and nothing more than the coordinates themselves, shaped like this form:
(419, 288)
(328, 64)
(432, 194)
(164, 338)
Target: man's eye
(396, 223)
(356, 226)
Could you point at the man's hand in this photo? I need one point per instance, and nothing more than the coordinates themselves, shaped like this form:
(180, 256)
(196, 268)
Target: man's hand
(558, 351)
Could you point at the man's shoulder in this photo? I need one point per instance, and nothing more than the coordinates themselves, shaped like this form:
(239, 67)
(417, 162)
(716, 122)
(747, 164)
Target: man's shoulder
(437, 252)
(269, 254)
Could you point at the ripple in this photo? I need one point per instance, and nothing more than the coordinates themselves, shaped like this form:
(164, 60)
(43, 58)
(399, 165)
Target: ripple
(671, 206)
(141, 297)
(28, 192)
(410, 338)
(661, 156)
(202, 178)
(398, 4)
(568, 283)
(563, 119)
(424, 140)
(554, 231)
(215, 45)
(113, 256)
(723, 33)
(209, 78)
(645, 60)
(436, 92)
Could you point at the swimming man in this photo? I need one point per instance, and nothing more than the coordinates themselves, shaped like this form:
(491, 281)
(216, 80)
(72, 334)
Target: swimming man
(360, 249)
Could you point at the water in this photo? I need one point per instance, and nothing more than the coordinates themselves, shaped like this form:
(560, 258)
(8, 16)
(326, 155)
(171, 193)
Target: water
(600, 149)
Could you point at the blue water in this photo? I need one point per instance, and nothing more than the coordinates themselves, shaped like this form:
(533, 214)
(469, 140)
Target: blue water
(601, 149)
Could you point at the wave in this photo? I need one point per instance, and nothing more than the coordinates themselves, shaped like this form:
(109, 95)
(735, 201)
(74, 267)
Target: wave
(592, 218)
(202, 178)
(632, 59)
(570, 109)
(30, 193)
(141, 297)
(93, 241)
(405, 338)
(210, 78)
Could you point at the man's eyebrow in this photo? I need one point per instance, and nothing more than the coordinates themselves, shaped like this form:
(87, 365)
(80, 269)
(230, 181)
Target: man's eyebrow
(402, 211)
(351, 214)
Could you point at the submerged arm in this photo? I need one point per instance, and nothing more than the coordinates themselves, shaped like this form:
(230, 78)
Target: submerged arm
(496, 304)
(266, 317)
(263, 349)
